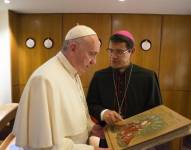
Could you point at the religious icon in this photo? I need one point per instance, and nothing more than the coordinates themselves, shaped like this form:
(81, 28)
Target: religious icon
(147, 129)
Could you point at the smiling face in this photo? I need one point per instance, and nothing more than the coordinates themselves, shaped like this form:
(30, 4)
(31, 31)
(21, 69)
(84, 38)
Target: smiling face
(85, 53)
(120, 56)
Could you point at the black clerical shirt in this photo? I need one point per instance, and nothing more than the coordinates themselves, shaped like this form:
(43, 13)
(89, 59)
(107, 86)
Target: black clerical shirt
(142, 94)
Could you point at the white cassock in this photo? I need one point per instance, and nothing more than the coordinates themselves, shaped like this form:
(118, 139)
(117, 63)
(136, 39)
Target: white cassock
(53, 113)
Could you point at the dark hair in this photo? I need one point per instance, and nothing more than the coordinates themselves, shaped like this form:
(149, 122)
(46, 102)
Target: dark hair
(120, 38)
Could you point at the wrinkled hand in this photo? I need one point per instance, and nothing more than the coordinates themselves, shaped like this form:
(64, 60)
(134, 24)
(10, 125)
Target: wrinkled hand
(111, 117)
(98, 148)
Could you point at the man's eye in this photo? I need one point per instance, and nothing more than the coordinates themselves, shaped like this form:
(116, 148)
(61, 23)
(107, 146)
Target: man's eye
(119, 51)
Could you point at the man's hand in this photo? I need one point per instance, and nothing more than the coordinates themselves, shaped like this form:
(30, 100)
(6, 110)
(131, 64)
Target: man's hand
(110, 117)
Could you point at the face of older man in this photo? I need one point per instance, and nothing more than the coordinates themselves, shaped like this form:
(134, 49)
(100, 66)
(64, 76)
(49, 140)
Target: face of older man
(119, 54)
(86, 51)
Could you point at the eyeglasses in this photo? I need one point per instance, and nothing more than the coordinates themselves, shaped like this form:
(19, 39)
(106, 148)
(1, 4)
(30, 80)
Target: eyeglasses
(118, 52)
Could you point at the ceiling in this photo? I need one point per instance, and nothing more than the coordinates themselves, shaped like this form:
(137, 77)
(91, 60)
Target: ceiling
(99, 6)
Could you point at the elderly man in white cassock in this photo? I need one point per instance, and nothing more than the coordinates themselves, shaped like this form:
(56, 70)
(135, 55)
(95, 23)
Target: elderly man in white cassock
(52, 113)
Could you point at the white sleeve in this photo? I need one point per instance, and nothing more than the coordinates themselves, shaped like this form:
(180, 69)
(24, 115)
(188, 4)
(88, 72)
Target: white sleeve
(101, 115)
(67, 144)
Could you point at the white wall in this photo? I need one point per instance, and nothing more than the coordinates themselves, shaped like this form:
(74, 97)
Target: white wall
(5, 69)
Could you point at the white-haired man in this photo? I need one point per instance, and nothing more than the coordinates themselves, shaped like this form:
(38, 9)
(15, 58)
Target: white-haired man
(52, 113)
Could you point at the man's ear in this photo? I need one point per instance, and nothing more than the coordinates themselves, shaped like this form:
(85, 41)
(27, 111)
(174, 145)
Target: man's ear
(73, 46)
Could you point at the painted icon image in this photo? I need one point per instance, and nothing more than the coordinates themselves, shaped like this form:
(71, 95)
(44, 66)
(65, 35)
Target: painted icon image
(143, 126)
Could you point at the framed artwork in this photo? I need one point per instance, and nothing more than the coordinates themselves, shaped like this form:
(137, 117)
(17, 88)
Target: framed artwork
(148, 129)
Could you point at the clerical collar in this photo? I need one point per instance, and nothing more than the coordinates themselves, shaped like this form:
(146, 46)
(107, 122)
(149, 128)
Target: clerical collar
(122, 70)
(64, 61)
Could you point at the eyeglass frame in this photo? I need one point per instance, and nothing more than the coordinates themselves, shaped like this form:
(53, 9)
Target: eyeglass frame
(120, 52)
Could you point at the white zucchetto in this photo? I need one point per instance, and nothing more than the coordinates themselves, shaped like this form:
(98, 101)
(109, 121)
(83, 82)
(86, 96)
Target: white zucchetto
(79, 31)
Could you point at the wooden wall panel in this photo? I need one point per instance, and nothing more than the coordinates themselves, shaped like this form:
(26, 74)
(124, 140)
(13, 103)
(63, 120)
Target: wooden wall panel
(142, 27)
(179, 101)
(37, 26)
(175, 60)
(13, 27)
(101, 23)
(175, 57)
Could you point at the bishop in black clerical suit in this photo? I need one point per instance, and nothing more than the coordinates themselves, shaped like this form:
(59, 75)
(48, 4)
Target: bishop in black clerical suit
(123, 89)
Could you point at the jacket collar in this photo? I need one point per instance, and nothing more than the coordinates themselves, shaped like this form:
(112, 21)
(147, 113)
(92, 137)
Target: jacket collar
(64, 61)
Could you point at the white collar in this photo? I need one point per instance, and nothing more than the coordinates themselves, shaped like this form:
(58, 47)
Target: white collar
(64, 61)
